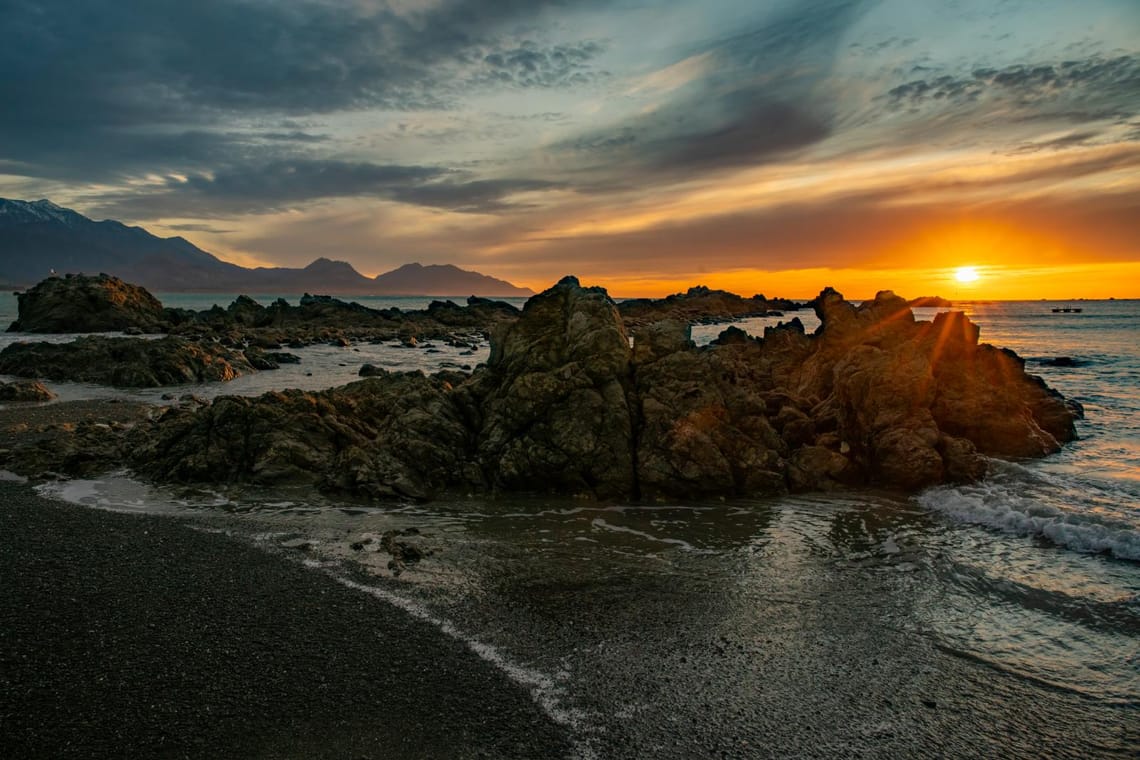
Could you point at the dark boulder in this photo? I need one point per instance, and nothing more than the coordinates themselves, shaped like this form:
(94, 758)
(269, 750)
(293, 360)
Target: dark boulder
(83, 303)
(124, 362)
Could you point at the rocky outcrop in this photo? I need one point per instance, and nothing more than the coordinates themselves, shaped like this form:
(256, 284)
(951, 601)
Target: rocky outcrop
(82, 303)
(124, 362)
(79, 303)
(25, 390)
(324, 319)
(553, 406)
(700, 304)
(399, 436)
(568, 404)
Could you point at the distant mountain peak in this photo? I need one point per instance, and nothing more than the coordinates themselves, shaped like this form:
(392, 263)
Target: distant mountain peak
(43, 210)
(325, 264)
(38, 235)
(444, 280)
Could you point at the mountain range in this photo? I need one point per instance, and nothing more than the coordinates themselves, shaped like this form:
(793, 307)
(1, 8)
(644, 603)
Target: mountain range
(39, 237)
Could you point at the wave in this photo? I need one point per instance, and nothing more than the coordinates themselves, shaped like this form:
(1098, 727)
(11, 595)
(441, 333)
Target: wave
(1013, 505)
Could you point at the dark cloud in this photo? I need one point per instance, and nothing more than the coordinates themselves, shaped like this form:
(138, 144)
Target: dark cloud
(530, 65)
(1093, 89)
(296, 136)
(94, 89)
(199, 228)
(760, 99)
(1074, 140)
(474, 196)
(283, 185)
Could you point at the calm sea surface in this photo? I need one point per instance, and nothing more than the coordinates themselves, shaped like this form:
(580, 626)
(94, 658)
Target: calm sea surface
(999, 620)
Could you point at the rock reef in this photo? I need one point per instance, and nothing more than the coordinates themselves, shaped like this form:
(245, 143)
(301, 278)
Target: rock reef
(101, 303)
(125, 362)
(568, 403)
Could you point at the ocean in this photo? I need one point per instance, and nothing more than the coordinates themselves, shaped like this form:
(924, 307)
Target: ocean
(1000, 619)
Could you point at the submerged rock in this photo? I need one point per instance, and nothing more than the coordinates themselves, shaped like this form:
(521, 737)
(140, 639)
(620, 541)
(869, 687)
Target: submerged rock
(566, 405)
(83, 303)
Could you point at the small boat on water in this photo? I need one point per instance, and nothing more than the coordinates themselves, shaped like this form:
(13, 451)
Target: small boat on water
(1067, 309)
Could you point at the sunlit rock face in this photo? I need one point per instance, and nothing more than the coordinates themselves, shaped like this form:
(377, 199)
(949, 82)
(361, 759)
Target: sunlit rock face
(569, 404)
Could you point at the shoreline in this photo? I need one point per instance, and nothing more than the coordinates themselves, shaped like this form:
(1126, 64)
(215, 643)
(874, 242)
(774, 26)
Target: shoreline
(129, 635)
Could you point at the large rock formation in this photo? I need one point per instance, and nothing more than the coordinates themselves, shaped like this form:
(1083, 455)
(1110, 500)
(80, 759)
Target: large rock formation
(124, 362)
(554, 402)
(82, 303)
(566, 404)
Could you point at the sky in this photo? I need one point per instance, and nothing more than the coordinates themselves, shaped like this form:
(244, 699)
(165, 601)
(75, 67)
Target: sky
(761, 146)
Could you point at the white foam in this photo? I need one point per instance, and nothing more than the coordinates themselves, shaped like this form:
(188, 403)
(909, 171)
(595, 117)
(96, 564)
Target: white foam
(603, 525)
(999, 506)
(544, 689)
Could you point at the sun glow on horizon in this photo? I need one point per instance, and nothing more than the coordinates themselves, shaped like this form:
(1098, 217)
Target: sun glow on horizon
(966, 275)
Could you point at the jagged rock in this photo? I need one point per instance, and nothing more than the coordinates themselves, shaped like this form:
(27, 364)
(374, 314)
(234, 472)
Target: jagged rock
(83, 303)
(659, 339)
(566, 405)
(25, 390)
(393, 437)
(704, 425)
(124, 362)
(554, 397)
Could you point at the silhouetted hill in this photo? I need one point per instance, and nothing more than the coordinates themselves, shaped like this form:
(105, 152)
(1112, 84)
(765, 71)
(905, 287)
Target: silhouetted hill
(443, 280)
(37, 237)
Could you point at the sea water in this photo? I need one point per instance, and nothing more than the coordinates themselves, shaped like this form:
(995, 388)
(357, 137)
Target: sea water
(996, 619)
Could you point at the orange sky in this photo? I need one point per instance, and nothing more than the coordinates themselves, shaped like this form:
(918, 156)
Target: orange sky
(768, 146)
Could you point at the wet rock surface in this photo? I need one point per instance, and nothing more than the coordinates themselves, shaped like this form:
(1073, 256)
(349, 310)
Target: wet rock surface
(25, 390)
(565, 404)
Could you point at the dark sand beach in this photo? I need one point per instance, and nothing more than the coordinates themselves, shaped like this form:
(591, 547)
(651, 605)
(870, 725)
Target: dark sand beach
(136, 636)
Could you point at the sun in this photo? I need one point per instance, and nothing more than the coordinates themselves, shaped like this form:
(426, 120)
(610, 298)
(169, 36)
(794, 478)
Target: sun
(966, 274)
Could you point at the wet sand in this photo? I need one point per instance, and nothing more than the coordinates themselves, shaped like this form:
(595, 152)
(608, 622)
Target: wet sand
(136, 636)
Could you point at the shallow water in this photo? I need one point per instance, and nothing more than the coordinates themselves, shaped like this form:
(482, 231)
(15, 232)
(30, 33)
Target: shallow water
(997, 619)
